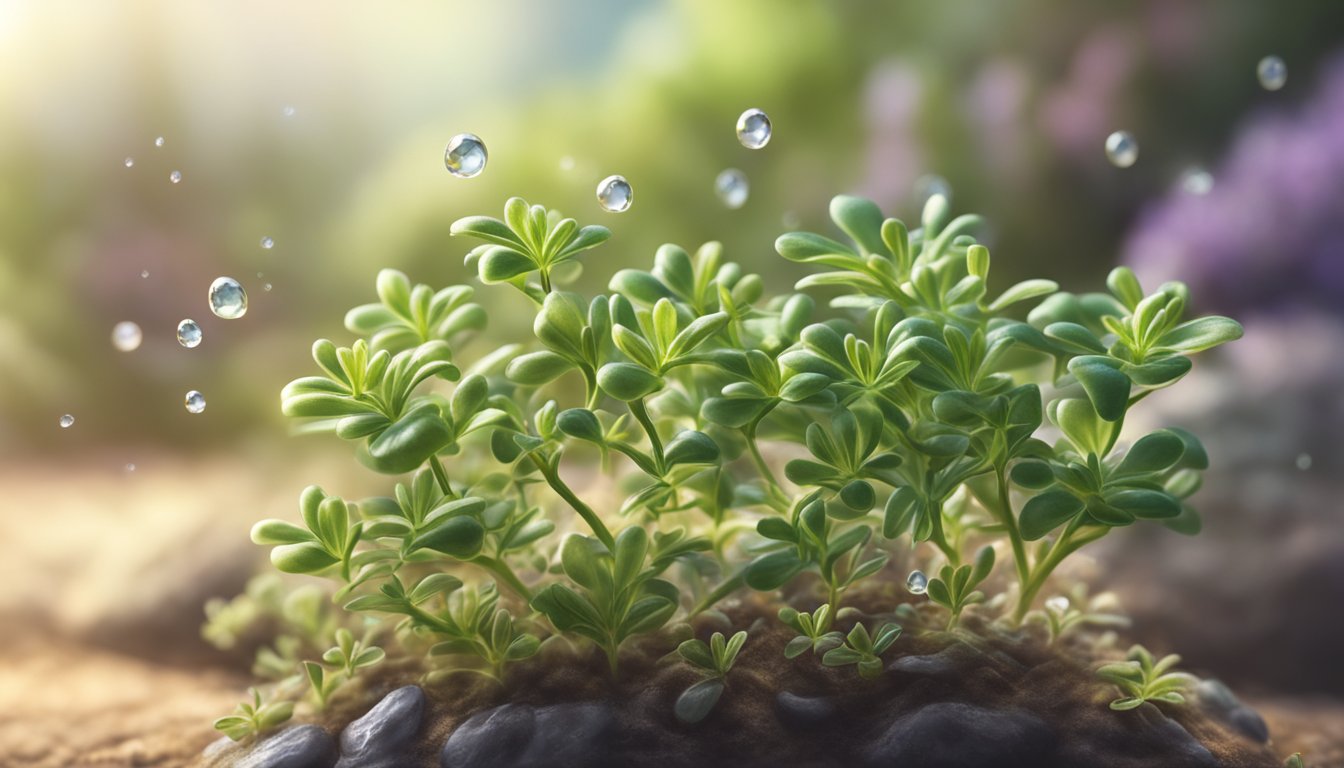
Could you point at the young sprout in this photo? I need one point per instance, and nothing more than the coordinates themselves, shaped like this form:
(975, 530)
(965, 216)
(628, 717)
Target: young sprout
(863, 650)
(815, 633)
(956, 589)
(1142, 679)
(345, 660)
(253, 718)
(1064, 614)
(714, 660)
(1294, 761)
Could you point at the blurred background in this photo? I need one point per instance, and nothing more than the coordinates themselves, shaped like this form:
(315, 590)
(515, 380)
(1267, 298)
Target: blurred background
(320, 127)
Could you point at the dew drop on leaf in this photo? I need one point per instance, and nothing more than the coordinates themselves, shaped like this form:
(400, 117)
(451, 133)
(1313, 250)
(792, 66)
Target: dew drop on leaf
(194, 402)
(1121, 149)
(189, 333)
(465, 155)
(67, 421)
(1272, 73)
(753, 129)
(227, 298)
(731, 187)
(126, 336)
(917, 582)
(614, 194)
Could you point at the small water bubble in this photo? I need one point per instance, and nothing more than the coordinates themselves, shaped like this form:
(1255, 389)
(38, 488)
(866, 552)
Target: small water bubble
(731, 187)
(130, 161)
(917, 583)
(1304, 461)
(1196, 181)
(189, 334)
(753, 129)
(144, 274)
(1272, 73)
(158, 142)
(126, 336)
(175, 176)
(194, 402)
(130, 467)
(465, 156)
(266, 287)
(288, 111)
(1121, 149)
(267, 243)
(227, 298)
(1057, 604)
(67, 421)
(615, 194)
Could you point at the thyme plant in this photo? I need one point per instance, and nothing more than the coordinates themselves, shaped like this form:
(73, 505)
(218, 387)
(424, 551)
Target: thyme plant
(898, 396)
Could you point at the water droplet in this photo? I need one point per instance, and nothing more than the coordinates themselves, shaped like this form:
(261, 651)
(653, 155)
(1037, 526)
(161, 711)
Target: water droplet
(917, 583)
(130, 162)
(753, 129)
(175, 176)
(615, 194)
(194, 402)
(1121, 149)
(566, 163)
(266, 287)
(130, 467)
(158, 142)
(929, 185)
(1057, 604)
(227, 298)
(1304, 461)
(791, 220)
(189, 334)
(267, 243)
(288, 111)
(465, 156)
(731, 187)
(144, 273)
(1272, 72)
(1196, 181)
(126, 336)
(67, 421)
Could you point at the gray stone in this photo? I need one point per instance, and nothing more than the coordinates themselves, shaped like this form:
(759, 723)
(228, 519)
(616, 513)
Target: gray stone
(1219, 701)
(803, 711)
(522, 736)
(1250, 723)
(956, 735)
(379, 738)
(1143, 739)
(300, 746)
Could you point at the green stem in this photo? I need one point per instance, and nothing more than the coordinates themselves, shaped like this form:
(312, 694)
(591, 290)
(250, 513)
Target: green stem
(1010, 526)
(939, 538)
(440, 475)
(593, 394)
(720, 592)
(586, 512)
(1066, 545)
(749, 431)
(505, 574)
(641, 414)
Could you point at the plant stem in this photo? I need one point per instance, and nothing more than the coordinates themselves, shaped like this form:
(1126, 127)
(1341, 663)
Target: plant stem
(586, 512)
(749, 432)
(939, 538)
(506, 574)
(641, 414)
(720, 592)
(1066, 545)
(440, 475)
(1010, 526)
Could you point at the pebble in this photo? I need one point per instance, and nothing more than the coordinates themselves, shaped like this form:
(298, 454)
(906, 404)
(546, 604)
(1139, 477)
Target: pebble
(382, 736)
(522, 736)
(957, 735)
(796, 711)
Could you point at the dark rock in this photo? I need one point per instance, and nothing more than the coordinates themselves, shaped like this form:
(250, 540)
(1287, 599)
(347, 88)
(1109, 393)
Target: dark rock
(1219, 701)
(379, 739)
(956, 735)
(954, 661)
(1145, 738)
(300, 746)
(803, 711)
(1250, 723)
(521, 736)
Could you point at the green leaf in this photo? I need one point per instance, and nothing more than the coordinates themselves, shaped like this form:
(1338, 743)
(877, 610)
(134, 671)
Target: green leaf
(271, 532)
(1144, 503)
(1027, 289)
(1032, 474)
(580, 557)
(410, 440)
(1045, 512)
(858, 495)
(691, 447)
(1125, 286)
(627, 382)
(861, 219)
(903, 506)
(697, 333)
(1201, 334)
(695, 703)
(1155, 452)
(1127, 703)
(1107, 387)
(581, 423)
(459, 537)
(308, 557)
(500, 264)
(772, 571)
(697, 653)
(1075, 338)
(537, 368)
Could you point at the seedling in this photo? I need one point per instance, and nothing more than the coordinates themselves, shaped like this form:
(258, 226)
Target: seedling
(815, 633)
(714, 660)
(342, 663)
(1064, 614)
(956, 589)
(254, 717)
(863, 650)
(1143, 679)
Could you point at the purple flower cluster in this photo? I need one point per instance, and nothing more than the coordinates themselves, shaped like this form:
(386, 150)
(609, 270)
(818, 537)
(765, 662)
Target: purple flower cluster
(1270, 233)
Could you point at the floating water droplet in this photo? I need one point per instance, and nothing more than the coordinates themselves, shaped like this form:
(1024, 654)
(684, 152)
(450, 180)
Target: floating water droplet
(1121, 149)
(465, 156)
(126, 336)
(175, 176)
(194, 402)
(130, 161)
(189, 334)
(227, 298)
(1196, 181)
(1057, 604)
(266, 287)
(130, 467)
(731, 187)
(931, 184)
(144, 273)
(67, 421)
(1304, 461)
(267, 243)
(158, 142)
(917, 583)
(615, 194)
(288, 111)
(753, 129)
(1272, 73)
(566, 163)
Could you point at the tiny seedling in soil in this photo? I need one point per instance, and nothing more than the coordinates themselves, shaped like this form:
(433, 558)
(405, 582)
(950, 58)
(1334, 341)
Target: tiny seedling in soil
(714, 660)
(1141, 679)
